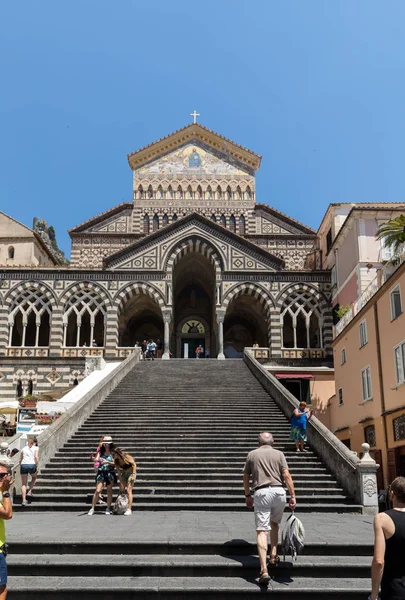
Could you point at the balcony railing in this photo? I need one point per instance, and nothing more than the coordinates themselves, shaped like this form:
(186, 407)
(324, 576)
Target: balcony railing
(303, 353)
(82, 352)
(385, 273)
(27, 352)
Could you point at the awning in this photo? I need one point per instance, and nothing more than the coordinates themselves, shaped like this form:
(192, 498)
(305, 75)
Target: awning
(294, 376)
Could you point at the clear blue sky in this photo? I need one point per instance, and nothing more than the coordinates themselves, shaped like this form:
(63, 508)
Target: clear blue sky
(317, 87)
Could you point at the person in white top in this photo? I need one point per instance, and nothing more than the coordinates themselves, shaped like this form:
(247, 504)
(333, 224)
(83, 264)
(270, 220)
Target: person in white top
(28, 466)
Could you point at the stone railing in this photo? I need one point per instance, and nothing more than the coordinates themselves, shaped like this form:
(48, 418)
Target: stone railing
(356, 476)
(82, 352)
(384, 274)
(27, 352)
(53, 438)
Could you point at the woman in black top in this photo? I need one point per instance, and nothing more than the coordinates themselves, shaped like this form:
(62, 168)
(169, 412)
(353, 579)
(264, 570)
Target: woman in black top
(388, 566)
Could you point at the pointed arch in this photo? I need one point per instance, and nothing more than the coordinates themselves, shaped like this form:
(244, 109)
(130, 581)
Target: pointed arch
(174, 218)
(219, 193)
(29, 319)
(11, 252)
(232, 224)
(84, 319)
(179, 192)
(124, 295)
(146, 225)
(222, 220)
(228, 193)
(209, 193)
(238, 193)
(170, 192)
(213, 218)
(155, 225)
(194, 244)
(140, 192)
(160, 192)
(199, 193)
(150, 192)
(242, 225)
(248, 193)
(165, 220)
(249, 289)
(189, 195)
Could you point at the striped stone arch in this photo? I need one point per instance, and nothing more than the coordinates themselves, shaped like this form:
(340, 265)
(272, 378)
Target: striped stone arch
(258, 293)
(83, 286)
(302, 287)
(26, 285)
(132, 290)
(322, 305)
(194, 244)
(249, 289)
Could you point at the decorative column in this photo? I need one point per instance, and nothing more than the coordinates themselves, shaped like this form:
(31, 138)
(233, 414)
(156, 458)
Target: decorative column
(220, 321)
(111, 333)
(58, 331)
(167, 317)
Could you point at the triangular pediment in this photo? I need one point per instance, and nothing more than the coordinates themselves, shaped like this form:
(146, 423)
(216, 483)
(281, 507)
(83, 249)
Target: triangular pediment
(115, 220)
(155, 252)
(203, 137)
(194, 159)
(274, 222)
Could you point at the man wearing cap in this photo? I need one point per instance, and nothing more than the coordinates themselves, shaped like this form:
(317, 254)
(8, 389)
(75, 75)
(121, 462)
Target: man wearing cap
(268, 470)
(6, 513)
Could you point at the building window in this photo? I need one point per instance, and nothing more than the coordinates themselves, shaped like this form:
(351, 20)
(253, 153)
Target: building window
(222, 220)
(399, 353)
(301, 321)
(369, 436)
(146, 225)
(340, 396)
(11, 252)
(155, 223)
(174, 218)
(30, 319)
(329, 241)
(241, 225)
(347, 443)
(399, 428)
(396, 303)
(165, 220)
(343, 356)
(363, 333)
(232, 224)
(366, 383)
(84, 320)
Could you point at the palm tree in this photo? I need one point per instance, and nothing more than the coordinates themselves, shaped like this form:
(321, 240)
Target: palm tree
(393, 233)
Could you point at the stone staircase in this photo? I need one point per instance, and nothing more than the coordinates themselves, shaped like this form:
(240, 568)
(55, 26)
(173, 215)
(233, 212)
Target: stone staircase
(189, 425)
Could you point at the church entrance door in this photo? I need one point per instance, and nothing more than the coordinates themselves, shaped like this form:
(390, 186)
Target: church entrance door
(190, 345)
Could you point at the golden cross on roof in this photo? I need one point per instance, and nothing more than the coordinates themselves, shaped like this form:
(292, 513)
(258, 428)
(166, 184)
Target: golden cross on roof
(195, 114)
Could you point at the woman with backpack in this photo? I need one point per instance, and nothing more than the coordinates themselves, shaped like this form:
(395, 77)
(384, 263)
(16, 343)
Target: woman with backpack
(299, 421)
(105, 473)
(126, 469)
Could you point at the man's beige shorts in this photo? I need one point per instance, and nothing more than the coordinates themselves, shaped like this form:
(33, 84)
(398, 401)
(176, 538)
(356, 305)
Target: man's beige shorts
(269, 505)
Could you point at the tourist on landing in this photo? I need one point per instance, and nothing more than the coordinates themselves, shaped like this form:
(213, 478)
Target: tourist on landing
(28, 466)
(197, 352)
(267, 470)
(105, 473)
(299, 426)
(126, 469)
(159, 348)
(144, 348)
(388, 567)
(6, 513)
(151, 352)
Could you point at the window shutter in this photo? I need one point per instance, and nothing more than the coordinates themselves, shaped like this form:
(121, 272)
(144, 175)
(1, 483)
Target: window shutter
(393, 464)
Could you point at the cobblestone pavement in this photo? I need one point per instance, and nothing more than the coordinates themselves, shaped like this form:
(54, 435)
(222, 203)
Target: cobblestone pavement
(177, 526)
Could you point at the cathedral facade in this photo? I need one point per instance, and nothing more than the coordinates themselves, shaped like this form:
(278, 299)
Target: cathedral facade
(192, 260)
